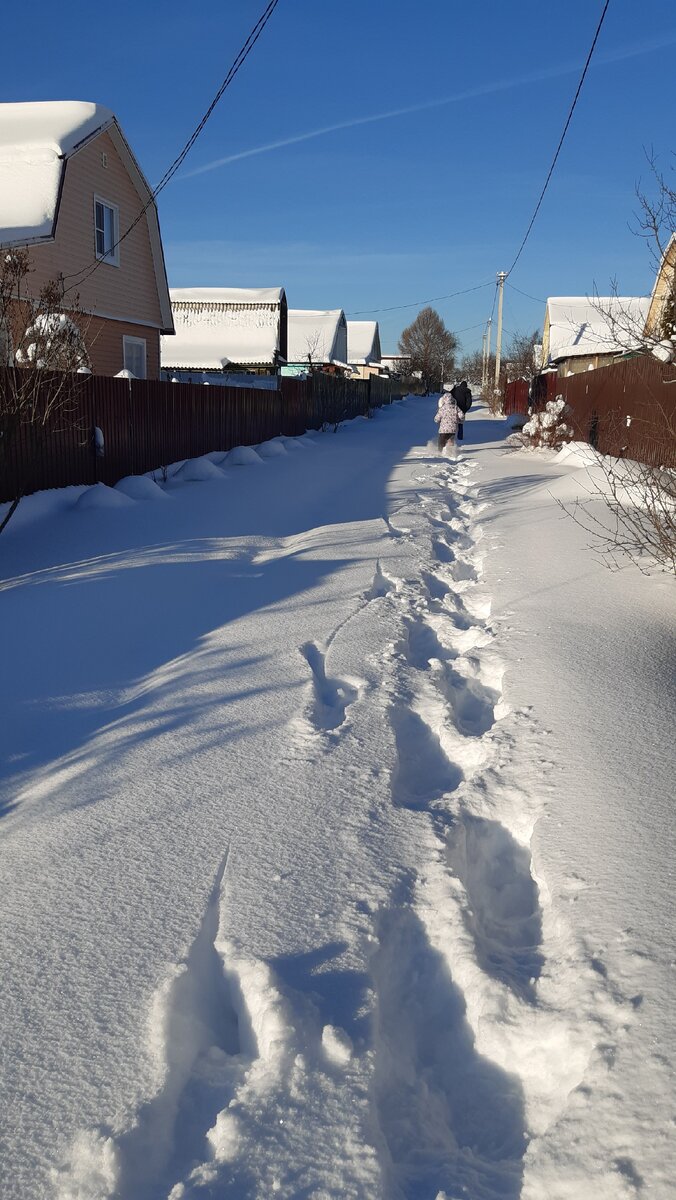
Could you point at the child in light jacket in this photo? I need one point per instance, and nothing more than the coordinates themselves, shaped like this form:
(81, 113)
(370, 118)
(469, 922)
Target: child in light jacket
(447, 418)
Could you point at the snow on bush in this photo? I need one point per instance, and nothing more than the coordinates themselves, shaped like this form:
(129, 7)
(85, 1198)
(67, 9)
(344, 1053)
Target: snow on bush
(243, 456)
(548, 428)
(53, 341)
(198, 470)
(272, 449)
(99, 495)
(139, 487)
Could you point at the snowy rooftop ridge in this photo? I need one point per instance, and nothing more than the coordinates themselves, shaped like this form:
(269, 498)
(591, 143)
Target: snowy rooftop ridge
(317, 333)
(58, 125)
(35, 139)
(363, 342)
(581, 325)
(231, 295)
(217, 327)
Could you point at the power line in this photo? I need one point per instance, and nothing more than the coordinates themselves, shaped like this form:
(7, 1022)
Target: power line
(363, 312)
(466, 328)
(562, 138)
(527, 294)
(398, 307)
(238, 62)
(495, 297)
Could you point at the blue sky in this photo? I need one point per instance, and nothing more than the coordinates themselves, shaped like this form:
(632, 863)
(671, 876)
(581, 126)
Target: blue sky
(394, 210)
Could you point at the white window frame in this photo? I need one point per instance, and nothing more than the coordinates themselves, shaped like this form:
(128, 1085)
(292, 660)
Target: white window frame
(135, 341)
(112, 257)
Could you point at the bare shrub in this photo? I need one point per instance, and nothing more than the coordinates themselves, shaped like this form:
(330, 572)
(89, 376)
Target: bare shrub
(637, 518)
(42, 356)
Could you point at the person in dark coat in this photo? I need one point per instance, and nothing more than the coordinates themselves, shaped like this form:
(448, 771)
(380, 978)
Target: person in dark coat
(463, 398)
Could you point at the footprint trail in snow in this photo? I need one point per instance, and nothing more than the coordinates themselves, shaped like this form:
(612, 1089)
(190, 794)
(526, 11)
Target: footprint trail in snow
(465, 1043)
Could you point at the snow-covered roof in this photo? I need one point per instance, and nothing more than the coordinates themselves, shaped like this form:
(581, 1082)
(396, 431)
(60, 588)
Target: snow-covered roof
(579, 325)
(35, 141)
(218, 295)
(363, 342)
(219, 326)
(319, 333)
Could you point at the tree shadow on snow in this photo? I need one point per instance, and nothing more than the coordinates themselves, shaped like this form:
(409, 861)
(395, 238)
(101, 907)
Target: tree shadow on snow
(95, 601)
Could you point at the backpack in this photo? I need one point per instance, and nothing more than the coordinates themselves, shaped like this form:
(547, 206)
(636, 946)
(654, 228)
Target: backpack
(462, 397)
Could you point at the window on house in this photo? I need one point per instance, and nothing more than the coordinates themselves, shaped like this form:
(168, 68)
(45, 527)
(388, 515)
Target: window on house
(107, 231)
(134, 353)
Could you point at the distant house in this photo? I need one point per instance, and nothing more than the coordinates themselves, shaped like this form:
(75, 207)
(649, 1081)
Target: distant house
(581, 334)
(396, 364)
(221, 331)
(317, 338)
(363, 348)
(663, 297)
(72, 193)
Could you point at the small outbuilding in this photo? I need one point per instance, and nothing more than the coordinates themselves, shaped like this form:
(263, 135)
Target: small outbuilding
(317, 339)
(225, 331)
(363, 348)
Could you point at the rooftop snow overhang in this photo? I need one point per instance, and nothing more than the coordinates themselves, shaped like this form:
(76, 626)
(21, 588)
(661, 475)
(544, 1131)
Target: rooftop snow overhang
(36, 140)
(32, 173)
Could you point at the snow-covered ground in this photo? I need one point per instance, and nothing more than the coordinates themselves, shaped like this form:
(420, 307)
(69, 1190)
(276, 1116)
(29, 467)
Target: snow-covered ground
(337, 849)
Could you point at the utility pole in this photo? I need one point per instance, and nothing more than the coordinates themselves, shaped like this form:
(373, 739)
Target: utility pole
(483, 361)
(487, 356)
(502, 275)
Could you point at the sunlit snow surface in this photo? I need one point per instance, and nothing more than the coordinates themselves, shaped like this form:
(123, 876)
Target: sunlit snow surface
(336, 837)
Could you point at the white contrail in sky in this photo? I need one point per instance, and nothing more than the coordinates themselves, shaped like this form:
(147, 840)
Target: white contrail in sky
(486, 89)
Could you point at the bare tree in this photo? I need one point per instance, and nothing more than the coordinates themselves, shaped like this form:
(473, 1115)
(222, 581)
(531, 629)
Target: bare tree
(41, 352)
(629, 507)
(315, 348)
(431, 348)
(471, 367)
(521, 357)
(655, 222)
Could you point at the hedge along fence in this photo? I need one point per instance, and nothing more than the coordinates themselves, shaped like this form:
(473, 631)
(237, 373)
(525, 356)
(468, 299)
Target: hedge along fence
(147, 424)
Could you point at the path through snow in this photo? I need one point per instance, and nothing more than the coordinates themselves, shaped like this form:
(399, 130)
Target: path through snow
(273, 917)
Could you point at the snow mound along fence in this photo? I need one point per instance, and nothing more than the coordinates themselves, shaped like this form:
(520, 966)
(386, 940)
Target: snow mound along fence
(102, 429)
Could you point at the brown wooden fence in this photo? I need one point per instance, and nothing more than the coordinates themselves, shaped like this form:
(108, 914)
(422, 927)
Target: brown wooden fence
(147, 424)
(627, 409)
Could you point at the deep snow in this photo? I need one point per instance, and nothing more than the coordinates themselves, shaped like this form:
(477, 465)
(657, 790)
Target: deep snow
(337, 850)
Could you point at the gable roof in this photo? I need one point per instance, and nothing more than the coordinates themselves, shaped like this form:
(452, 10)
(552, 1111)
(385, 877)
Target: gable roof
(220, 295)
(320, 333)
(581, 326)
(363, 342)
(36, 141)
(216, 327)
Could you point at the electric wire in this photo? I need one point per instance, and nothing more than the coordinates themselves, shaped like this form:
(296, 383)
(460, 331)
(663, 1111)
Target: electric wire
(527, 294)
(84, 273)
(562, 138)
(397, 307)
(363, 312)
